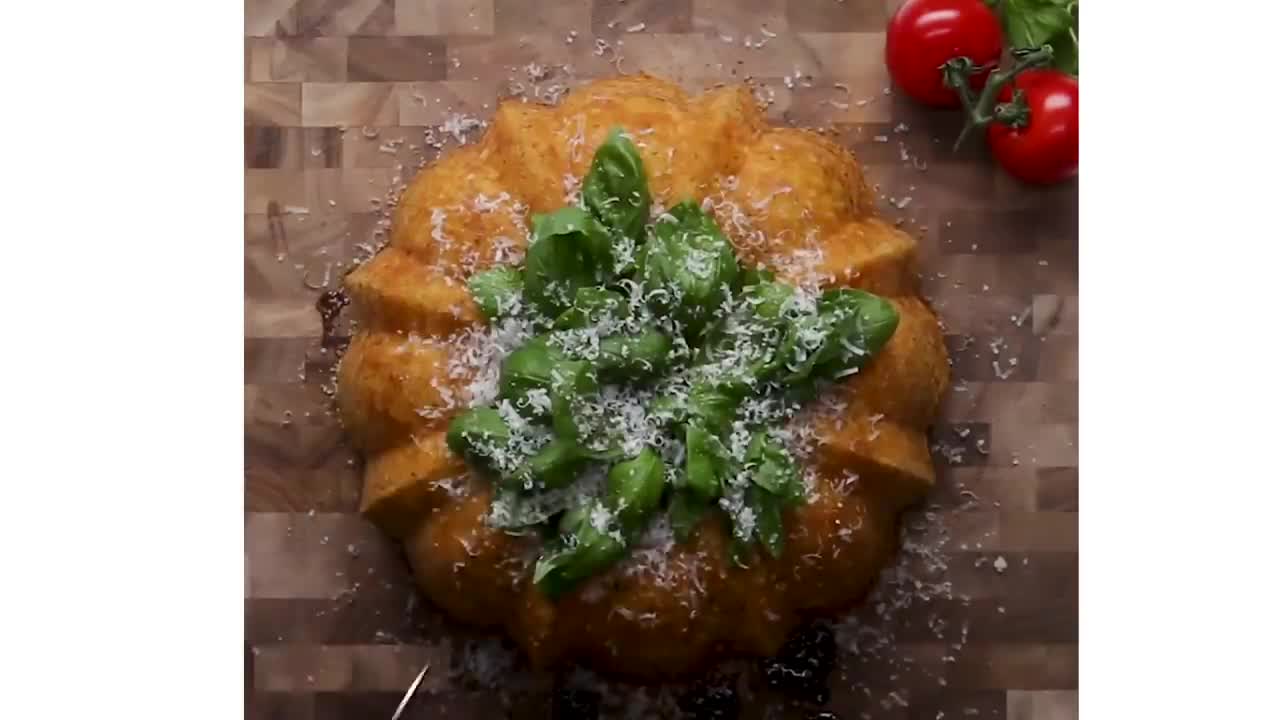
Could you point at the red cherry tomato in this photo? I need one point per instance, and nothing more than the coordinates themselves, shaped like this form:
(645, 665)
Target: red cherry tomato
(924, 34)
(1047, 150)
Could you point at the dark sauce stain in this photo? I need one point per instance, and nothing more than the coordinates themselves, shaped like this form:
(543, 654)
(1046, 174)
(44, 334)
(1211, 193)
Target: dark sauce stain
(575, 704)
(262, 146)
(332, 148)
(801, 668)
(330, 306)
(713, 698)
(275, 229)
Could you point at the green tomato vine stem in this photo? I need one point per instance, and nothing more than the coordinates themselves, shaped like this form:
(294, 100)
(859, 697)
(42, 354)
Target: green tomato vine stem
(982, 109)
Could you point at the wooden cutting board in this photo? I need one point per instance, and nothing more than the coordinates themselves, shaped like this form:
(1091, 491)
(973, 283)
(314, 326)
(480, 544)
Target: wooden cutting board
(343, 100)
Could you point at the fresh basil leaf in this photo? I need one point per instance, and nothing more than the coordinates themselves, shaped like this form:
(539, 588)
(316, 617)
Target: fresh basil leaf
(1066, 49)
(572, 518)
(742, 526)
(497, 290)
(590, 306)
(616, 190)
(611, 452)
(706, 462)
(635, 488)
(554, 466)
(849, 327)
(861, 325)
(583, 553)
(771, 468)
(688, 267)
(1032, 23)
(807, 343)
(668, 409)
(564, 423)
(800, 392)
(711, 406)
(514, 510)
(769, 299)
(744, 348)
(716, 344)
(768, 517)
(685, 512)
(570, 250)
(529, 367)
(540, 368)
(753, 350)
(574, 378)
(760, 519)
(571, 380)
(757, 275)
(1066, 55)
(478, 433)
(635, 356)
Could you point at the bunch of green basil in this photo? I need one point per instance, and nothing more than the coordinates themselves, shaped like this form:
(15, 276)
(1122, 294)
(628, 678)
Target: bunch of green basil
(580, 263)
(1033, 23)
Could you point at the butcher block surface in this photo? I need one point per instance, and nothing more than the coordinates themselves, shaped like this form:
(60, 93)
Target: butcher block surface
(344, 101)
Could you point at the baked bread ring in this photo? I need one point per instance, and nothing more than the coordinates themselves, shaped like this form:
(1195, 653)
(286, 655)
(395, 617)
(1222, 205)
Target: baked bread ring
(789, 200)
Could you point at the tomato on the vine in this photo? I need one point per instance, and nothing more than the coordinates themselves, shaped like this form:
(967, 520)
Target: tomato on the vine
(924, 34)
(1047, 149)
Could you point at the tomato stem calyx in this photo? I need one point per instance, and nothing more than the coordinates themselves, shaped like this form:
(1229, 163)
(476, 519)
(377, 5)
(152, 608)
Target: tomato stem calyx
(1015, 113)
(982, 109)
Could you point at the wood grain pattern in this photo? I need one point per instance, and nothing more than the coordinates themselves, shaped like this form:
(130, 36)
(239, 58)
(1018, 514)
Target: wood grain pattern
(345, 99)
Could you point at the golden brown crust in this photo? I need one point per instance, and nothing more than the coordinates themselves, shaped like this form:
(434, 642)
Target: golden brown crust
(458, 216)
(779, 194)
(391, 385)
(396, 292)
(613, 620)
(531, 155)
(406, 483)
(836, 546)
(793, 189)
(465, 566)
(870, 254)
